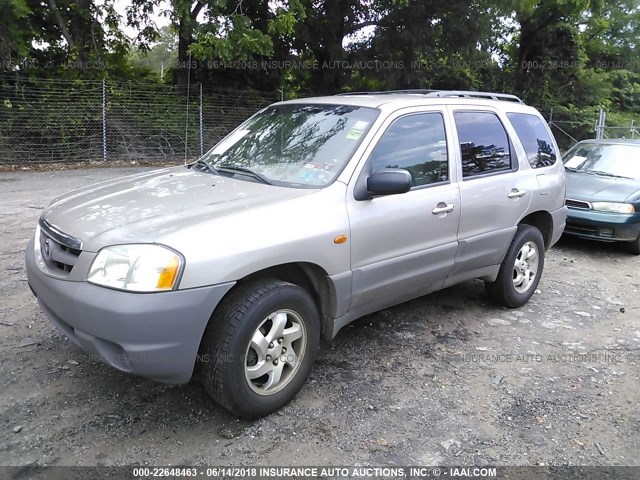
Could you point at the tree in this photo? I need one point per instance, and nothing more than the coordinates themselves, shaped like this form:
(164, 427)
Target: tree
(229, 30)
(71, 38)
(161, 56)
(440, 44)
(15, 32)
(321, 37)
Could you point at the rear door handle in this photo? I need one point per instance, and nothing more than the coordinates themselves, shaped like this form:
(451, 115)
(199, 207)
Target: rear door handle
(515, 193)
(443, 208)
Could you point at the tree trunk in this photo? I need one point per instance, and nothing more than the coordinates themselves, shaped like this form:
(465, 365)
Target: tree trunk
(185, 39)
(186, 27)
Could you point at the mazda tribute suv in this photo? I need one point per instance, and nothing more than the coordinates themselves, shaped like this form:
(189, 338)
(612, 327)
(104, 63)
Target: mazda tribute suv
(309, 215)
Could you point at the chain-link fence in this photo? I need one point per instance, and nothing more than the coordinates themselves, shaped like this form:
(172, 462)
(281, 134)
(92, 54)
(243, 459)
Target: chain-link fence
(100, 121)
(57, 121)
(571, 127)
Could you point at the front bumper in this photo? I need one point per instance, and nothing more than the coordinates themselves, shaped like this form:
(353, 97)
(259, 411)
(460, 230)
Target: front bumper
(152, 335)
(608, 227)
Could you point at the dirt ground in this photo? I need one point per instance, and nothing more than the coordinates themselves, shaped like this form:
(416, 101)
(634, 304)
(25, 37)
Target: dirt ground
(447, 379)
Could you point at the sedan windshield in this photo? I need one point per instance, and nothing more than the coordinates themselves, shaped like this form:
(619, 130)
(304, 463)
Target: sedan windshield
(605, 159)
(297, 145)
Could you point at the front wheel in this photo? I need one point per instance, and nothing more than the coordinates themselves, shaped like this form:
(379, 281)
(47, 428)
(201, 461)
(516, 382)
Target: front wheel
(633, 247)
(520, 270)
(259, 347)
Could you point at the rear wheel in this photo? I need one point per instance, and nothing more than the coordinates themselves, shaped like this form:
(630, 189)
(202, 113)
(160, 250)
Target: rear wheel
(521, 269)
(260, 346)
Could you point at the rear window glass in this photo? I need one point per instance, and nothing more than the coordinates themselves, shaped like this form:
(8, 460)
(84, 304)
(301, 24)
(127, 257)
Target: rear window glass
(535, 139)
(484, 143)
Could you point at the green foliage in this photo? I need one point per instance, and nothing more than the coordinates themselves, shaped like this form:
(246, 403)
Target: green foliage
(232, 40)
(14, 29)
(159, 57)
(575, 56)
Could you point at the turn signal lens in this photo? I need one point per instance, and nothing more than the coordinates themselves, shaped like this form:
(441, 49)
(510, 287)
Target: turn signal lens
(168, 275)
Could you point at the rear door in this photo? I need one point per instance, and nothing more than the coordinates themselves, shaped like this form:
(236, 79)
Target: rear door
(495, 189)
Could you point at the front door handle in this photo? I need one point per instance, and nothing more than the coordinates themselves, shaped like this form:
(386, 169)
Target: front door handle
(443, 208)
(515, 193)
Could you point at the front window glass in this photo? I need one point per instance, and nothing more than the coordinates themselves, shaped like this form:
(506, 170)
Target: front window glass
(297, 145)
(418, 144)
(610, 160)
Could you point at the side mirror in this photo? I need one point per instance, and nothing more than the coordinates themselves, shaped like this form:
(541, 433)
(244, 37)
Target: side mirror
(389, 181)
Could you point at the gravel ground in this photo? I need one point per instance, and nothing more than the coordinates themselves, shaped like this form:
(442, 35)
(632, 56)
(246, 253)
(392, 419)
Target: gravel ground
(447, 379)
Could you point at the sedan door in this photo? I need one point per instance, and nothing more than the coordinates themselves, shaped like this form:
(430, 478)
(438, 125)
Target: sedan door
(404, 246)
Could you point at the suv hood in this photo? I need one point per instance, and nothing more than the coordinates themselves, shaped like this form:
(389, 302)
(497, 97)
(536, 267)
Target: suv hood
(148, 206)
(584, 186)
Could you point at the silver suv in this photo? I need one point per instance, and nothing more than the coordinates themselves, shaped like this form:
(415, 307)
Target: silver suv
(309, 215)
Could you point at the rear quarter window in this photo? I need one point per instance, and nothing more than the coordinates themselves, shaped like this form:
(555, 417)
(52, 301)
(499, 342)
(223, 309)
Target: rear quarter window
(535, 139)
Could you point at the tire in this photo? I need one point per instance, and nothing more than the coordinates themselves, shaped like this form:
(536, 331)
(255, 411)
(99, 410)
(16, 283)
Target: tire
(516, 282)
(633, 247)
(231, 362)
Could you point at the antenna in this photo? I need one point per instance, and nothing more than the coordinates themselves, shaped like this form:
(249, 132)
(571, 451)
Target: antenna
(186, 122)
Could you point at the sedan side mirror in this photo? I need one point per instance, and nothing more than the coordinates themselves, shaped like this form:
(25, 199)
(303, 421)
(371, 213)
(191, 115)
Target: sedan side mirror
(389, 181)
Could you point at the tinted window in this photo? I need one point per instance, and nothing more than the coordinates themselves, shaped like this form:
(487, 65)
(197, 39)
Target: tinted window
(483, 142)
(416, 143)
(535, 139)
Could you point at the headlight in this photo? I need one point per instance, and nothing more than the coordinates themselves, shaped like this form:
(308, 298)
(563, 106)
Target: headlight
(613, 207)
(139, 268)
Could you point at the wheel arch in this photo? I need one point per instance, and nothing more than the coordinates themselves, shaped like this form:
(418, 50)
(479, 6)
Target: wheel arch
(543, 221)
(309, 276)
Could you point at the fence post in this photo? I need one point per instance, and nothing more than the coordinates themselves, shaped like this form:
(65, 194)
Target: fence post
(601, 124)
(104, 120)
(201, 125)
(281, 90)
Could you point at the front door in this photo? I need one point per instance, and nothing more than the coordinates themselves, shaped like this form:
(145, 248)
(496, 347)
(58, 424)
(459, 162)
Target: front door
(403, 246)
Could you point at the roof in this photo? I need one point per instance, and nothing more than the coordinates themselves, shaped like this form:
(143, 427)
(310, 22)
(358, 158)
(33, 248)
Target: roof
(411, 98)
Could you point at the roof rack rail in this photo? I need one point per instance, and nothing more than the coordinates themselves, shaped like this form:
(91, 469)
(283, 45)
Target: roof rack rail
(416, 91)
(445, 93)
(471, 94)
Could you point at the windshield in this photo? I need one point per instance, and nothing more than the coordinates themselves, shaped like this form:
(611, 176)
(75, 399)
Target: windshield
(299, 145)
(616, 160)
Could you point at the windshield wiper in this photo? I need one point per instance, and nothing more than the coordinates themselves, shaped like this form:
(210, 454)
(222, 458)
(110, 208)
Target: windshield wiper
(605, 174)
(201, 163)
(244, 171)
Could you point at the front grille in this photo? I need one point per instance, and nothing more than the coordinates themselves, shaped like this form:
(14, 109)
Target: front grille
(569, 202)
(59, 251)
